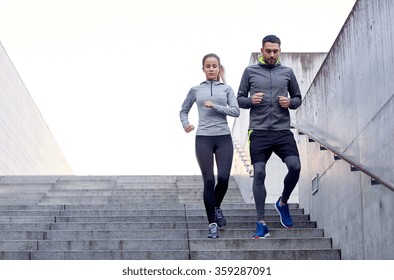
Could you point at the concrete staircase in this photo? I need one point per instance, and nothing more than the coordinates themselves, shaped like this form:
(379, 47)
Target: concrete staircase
(140, 217)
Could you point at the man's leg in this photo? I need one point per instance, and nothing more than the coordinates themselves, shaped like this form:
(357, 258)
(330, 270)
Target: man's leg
(259, 190)
(294, 169)
(260, 193)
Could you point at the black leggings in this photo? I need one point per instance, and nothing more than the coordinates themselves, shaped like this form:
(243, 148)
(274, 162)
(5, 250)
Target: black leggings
(259, 191)
(222, 147)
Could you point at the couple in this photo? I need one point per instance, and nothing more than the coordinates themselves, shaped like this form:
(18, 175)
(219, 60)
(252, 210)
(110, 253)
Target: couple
(269, 90)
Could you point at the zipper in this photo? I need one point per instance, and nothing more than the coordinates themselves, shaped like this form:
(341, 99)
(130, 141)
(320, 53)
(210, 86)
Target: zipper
(271, 100)
(211, 87)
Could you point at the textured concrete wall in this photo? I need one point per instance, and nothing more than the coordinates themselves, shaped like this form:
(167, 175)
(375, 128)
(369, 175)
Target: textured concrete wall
(350, 105)
(27, 146)
(305, 67)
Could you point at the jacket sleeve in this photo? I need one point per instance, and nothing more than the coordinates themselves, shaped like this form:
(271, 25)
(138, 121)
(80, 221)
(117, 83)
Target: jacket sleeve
(186, 106)
(244, 101)
(232, 109)
(294, 91)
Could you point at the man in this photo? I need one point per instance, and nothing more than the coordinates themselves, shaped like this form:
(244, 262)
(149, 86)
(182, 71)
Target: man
(269, 90)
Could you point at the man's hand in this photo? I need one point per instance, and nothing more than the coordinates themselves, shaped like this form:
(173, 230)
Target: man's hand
(257, 98)
(284, 102)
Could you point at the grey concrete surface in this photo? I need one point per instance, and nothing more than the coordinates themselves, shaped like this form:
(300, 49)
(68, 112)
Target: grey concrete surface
(350, 105)
(155, 230)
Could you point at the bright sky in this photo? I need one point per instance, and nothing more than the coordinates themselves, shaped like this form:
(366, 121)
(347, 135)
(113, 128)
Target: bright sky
(109, 76)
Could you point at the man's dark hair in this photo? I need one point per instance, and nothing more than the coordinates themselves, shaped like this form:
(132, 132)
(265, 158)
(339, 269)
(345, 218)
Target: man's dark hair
(271, 39)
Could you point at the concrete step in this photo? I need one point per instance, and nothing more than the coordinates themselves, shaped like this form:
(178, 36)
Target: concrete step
(120, 226)
(123, 244)
(92, 200)
(251, 224)
(29, 226)
(65, 235)
(112, 245)
(170, 243)
(173, 255)
(265, 244)
(129, 219)
(27, 219)
(12, 189)
(20, 207)
(99, 226)
(45, 233)
(76, 193)
(266, 254)
(251, 218)
(248, 233)
(233, 215)
(96, 255)
(26, 179)
(178, 216)
(139, 206)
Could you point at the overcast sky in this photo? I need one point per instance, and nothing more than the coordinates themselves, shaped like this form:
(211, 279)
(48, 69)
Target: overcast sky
(109, 76)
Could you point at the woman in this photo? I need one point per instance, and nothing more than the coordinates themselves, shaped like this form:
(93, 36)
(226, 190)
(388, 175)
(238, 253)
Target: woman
(215, 101)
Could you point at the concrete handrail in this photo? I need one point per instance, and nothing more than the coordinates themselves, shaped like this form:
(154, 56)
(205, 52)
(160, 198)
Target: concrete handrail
(345, 157)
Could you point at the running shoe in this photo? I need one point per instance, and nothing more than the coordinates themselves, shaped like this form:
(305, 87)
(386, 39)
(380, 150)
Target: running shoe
(261, 231)
(285, 218)
(213, 231)
(220, 219)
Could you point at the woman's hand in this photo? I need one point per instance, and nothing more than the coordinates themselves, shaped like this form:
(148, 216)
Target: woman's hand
(208, 104)
(189, 128)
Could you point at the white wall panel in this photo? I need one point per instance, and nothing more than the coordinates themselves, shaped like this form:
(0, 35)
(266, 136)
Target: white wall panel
(27, 146)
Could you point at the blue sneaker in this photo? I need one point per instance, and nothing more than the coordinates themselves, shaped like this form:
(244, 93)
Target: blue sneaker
(261, 231)
(219, 217)
(285, 218)
(213, 231)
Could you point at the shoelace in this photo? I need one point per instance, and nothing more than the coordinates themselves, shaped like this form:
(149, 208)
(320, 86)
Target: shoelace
(213, 229)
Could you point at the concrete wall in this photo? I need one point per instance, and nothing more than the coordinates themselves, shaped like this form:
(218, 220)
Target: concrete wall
(27, 146)
(350, 105)
(305, 67)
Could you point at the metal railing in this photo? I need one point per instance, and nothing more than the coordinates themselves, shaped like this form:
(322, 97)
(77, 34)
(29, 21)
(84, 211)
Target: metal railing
(375, 178)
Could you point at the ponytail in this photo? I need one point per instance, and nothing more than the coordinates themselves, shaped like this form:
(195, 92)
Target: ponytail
(222, 74)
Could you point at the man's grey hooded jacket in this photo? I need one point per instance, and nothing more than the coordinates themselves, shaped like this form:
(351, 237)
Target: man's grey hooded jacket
(274, 81)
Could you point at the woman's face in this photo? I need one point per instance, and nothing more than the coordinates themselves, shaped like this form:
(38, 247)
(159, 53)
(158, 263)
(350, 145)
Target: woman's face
(211, 68)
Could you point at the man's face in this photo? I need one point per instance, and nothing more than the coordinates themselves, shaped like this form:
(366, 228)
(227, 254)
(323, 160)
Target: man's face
(270, 52)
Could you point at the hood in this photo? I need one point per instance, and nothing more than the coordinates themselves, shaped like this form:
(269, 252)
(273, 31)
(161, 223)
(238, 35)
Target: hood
(262, 62)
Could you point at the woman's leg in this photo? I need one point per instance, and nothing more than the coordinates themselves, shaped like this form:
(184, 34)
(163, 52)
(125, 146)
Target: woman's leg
(224, 159)
(204, 154)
